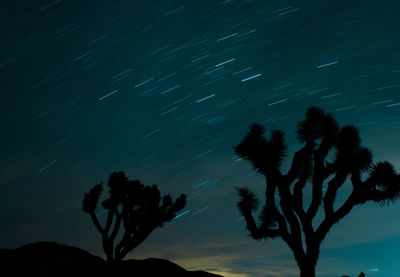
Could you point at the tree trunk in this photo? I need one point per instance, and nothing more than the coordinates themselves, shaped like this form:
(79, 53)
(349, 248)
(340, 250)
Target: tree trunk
(307, 265)
(108, 249)
(307, 270)
(305, 261)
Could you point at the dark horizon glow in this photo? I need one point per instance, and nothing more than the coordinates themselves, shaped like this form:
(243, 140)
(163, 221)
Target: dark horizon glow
(164, 91)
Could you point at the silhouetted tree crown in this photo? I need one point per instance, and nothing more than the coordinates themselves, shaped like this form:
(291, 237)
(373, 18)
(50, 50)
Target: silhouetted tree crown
(330, 155)
(137, 207)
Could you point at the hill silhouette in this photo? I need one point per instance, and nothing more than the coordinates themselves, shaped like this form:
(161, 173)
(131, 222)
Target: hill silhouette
(53, 259)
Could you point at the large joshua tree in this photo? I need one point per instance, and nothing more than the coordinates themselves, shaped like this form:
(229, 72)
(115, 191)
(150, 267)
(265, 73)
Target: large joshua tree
(138, 207)
(330, 156)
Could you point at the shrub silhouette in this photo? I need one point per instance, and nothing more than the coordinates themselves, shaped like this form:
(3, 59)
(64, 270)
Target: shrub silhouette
(330, 155)
(138, 207)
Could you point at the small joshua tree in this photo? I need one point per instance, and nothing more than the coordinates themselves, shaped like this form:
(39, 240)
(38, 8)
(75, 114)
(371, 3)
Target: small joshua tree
(139, 208)
(330, 155)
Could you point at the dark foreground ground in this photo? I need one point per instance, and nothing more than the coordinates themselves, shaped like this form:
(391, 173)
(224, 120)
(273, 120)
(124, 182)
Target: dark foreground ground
(47, 259)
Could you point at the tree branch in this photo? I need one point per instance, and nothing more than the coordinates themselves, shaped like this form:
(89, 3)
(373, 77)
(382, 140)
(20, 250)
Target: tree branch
(251, 225)
(109, 221)
(318, 177)
(287, 206)
(283, 230)
(296, 166)
(96, 222)
(330, 194)
(298, 193)
(121, 245)
(329, 221)
(270, 200)
(116, 227)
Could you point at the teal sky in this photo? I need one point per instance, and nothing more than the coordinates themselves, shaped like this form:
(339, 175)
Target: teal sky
(164, 90)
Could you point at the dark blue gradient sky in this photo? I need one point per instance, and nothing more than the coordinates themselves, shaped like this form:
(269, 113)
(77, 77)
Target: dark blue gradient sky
(164, 90)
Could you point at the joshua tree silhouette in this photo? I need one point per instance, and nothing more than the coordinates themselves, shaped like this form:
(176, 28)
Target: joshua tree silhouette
(139, 208)
(330, 156)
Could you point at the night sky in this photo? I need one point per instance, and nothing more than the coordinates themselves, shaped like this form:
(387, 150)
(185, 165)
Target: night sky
(164, 90)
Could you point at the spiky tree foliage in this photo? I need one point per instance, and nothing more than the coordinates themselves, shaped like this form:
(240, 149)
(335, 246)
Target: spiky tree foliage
(132, 205)
(330, 155)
